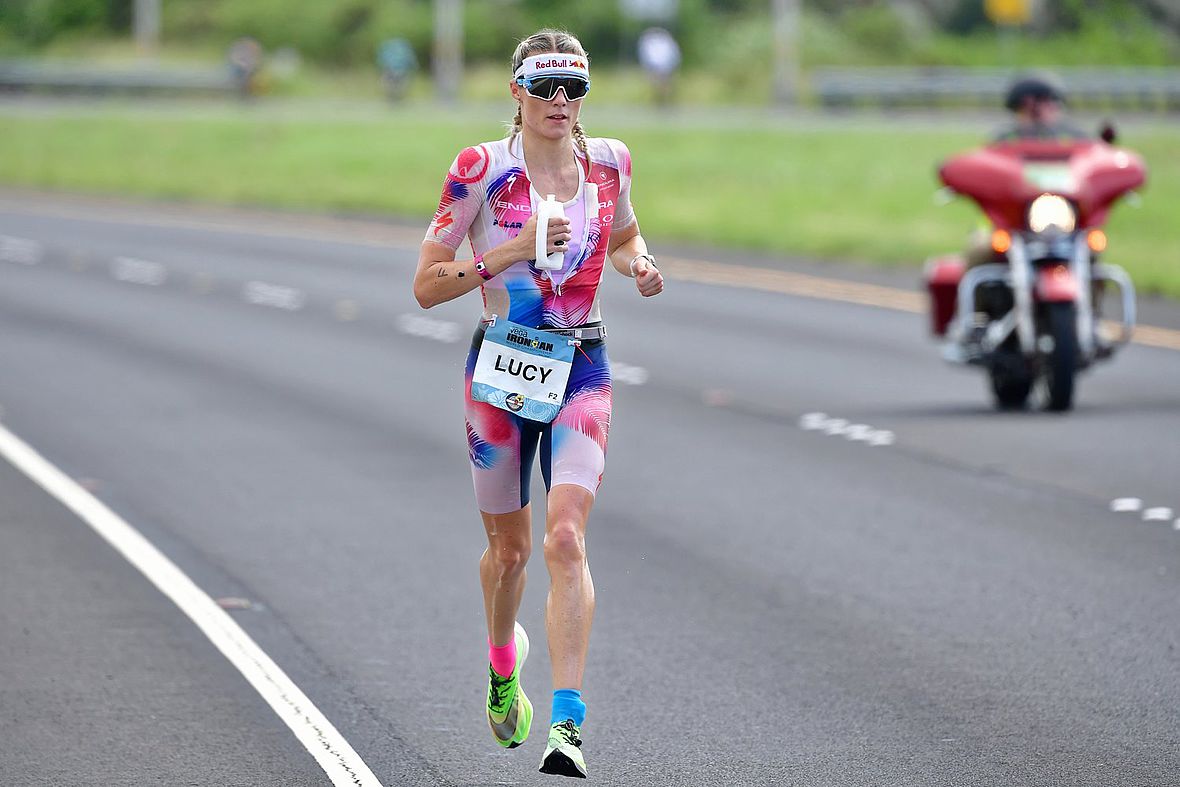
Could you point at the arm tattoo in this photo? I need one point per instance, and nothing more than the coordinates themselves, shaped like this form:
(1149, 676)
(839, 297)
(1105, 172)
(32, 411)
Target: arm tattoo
(442, 272)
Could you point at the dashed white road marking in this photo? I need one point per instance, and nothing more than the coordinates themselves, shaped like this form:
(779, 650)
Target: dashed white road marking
(334, 754)
(275, 296)
(857, 432)
(813, 421)
(136, 271)
(835, 426)
(22, 251)
(429, 328)
(1176, 525)
(627, 374)
(842, 427)
(1123, 505)
(1158, 514)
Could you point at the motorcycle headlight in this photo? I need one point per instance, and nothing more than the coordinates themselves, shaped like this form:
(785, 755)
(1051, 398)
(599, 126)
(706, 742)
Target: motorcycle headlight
(1050, 210)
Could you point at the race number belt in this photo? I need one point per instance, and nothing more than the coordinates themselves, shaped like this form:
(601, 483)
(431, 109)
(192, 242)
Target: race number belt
(522, 370)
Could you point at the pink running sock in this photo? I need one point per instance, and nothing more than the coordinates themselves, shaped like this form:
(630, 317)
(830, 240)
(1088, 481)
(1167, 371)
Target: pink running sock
(503, 658)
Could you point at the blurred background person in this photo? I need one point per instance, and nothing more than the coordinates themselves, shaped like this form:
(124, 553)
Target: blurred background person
(398, 64)
(245, 65)
(659, 55)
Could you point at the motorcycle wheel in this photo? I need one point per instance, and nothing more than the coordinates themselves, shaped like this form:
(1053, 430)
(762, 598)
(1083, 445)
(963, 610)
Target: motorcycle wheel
(1061, 364)
(1011, 380)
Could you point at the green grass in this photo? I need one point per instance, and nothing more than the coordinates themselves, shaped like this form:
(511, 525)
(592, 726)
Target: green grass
(832, 192)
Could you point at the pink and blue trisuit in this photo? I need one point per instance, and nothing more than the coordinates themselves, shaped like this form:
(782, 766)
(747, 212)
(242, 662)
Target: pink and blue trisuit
(488, 198)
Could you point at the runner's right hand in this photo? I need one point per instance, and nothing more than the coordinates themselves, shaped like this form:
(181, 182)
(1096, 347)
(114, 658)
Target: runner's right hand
(559, 230)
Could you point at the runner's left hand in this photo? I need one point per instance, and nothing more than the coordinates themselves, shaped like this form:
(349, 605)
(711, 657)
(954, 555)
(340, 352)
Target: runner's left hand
(648, 279)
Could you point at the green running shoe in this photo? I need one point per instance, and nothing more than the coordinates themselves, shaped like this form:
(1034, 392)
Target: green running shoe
(510, 714)
(563, 754)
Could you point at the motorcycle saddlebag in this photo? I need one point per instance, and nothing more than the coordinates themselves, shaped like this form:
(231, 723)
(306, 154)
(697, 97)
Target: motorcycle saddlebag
(942, 282)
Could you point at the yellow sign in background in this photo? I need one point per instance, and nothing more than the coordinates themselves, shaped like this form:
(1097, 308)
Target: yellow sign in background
(1008, 12)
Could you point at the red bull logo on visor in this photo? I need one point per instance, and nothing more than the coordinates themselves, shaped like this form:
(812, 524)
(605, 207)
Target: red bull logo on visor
(538, 63)
(559, 63)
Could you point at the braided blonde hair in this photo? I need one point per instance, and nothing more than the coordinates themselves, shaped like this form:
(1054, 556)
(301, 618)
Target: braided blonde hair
(547, 40)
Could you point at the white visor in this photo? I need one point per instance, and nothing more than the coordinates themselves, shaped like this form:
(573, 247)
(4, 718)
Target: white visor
(554, 65)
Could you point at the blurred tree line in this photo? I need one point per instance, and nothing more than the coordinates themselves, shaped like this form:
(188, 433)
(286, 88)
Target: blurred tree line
(723, 34)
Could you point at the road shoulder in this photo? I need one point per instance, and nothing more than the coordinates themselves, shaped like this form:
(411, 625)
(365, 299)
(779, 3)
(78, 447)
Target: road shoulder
(104, 681)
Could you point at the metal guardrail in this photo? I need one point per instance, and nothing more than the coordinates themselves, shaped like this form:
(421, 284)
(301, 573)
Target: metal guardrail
(888, 87)
(62, 77)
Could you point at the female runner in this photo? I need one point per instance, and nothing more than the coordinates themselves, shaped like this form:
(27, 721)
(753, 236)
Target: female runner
(523, 391)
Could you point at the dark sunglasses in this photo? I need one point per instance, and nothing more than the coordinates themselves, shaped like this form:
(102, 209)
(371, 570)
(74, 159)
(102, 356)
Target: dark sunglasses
(545, 88)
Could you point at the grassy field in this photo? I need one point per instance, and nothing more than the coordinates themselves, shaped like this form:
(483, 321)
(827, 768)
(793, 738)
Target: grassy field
(826, 190)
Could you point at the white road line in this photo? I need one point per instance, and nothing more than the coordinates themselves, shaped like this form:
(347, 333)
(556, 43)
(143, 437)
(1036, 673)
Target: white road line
(813, 421)
(136, 271)
(276, 296)
(842, 427)
(627, 374)
(858, 432)
(338, 759)
(22, 251)
(836, 426)
(1176, 525)
(429, 328)
(1159, 514)
(1122, 505)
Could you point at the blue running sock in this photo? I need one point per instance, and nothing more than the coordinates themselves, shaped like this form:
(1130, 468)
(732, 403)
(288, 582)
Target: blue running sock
(567, 704)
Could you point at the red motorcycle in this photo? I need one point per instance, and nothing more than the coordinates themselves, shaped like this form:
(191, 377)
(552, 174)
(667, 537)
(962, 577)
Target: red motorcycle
(1028, 310)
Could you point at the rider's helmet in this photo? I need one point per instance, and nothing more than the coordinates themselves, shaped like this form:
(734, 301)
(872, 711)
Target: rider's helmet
(1040, 87)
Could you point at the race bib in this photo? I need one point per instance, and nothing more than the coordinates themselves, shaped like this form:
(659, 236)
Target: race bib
(522, 370)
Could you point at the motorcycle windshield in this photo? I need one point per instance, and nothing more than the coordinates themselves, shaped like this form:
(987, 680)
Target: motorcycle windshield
(1004, 178)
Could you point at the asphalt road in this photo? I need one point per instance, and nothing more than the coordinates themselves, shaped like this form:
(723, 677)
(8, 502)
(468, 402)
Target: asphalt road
(948, 599)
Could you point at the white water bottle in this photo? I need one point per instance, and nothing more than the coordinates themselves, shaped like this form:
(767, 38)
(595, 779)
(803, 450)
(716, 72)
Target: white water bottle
(548, 208)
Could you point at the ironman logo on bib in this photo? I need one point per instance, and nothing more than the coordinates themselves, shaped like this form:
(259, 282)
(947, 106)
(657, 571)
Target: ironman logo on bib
(522, 370)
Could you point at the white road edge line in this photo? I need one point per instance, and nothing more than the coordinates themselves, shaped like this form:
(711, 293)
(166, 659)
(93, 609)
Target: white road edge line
(338, 759)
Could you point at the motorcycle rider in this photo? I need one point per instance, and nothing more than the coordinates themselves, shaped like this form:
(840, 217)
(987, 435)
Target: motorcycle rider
(1037, 103)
